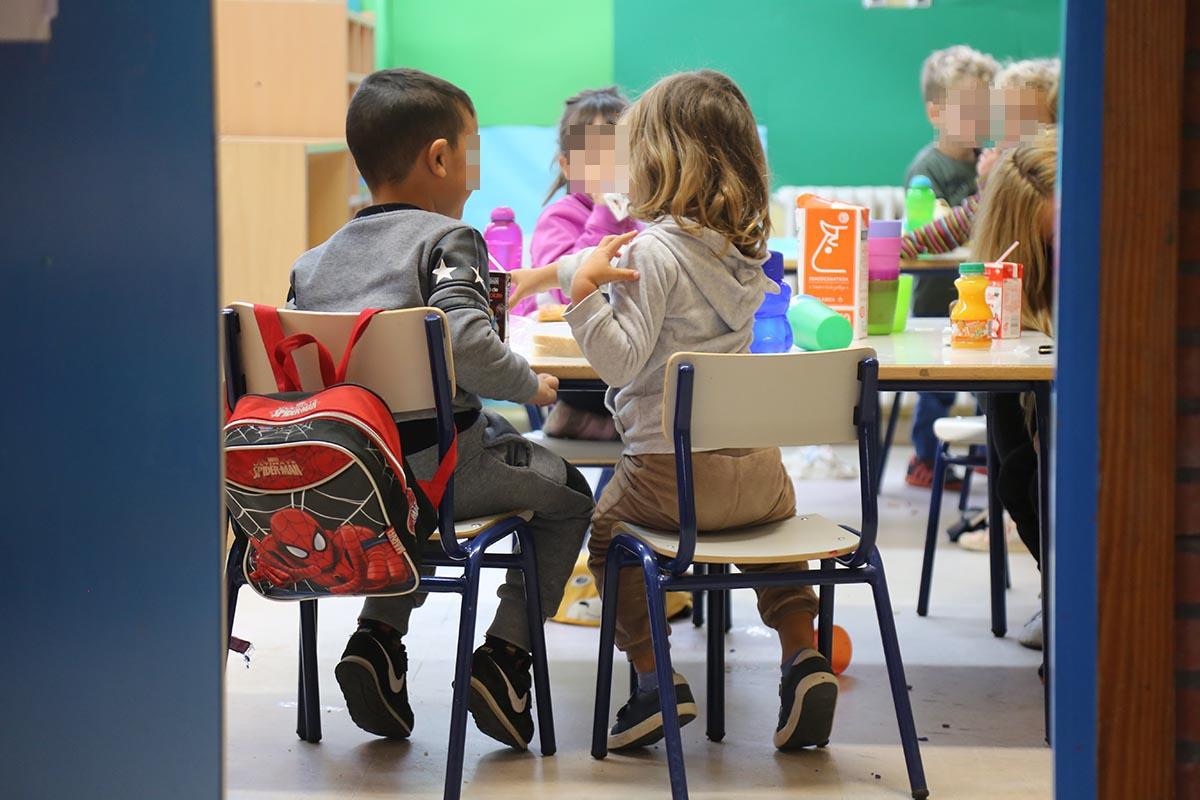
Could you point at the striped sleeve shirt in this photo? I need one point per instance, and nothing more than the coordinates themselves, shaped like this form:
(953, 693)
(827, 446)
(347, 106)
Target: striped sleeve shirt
(944, 234)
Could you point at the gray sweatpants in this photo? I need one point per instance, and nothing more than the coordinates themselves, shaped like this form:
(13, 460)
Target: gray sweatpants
(500, 470)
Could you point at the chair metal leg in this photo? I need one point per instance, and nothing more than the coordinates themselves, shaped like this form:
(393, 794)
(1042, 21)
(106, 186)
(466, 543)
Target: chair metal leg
(462, 678)
(996, 543)
(233, 583)
(716, 658)
(964, 494)
(537, 641)
(889, 435)
(608, 630)
(895, 668)
(698, 599)
(656, 598)
(727, 605)
(825, 615)
(309, 727)
(931, 527)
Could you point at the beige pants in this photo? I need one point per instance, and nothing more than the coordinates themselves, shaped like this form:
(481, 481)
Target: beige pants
(733, 489)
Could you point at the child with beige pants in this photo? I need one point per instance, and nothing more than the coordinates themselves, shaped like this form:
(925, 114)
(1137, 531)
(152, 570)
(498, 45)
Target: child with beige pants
(691, 281)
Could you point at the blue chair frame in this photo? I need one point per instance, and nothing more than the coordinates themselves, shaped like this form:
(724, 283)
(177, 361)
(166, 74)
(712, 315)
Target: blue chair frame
(663, 574)
(471, 556)
(977, 456)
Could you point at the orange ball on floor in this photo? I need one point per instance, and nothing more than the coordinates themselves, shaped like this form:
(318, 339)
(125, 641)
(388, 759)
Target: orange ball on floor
(843, 650)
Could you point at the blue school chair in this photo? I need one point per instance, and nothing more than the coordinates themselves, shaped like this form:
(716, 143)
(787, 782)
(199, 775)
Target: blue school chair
(423, 384)
(972, 433)
(711, 410)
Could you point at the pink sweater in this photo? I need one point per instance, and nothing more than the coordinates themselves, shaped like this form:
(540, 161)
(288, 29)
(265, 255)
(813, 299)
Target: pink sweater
(570, 224)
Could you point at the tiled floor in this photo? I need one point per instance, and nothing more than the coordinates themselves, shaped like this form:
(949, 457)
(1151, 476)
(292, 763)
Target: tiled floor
(977, 699)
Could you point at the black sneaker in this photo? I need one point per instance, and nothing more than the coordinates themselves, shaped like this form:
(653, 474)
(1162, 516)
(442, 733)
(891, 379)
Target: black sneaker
(640, 721)
(807, 698)
(500, 698)
(373, 676)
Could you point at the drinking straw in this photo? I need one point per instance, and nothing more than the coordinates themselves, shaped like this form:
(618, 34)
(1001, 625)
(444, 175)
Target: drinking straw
(1011, 247)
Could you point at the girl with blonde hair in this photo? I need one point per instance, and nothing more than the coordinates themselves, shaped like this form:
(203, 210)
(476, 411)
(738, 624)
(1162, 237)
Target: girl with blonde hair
(1018, 205)
(691, 281)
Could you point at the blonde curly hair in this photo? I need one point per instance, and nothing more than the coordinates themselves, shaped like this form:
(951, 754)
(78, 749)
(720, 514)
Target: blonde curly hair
(945, 69)
(695, 155)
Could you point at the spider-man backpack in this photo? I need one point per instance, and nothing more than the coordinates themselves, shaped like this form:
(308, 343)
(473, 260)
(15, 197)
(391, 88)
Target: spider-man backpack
(318, 484)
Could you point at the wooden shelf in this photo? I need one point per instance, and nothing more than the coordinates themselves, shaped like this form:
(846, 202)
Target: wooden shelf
(286, 70)
(282, 65)
(277, 198)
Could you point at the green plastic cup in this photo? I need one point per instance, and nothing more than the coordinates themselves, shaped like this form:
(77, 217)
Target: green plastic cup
(816, 326)
(903, 300)
(881, 306)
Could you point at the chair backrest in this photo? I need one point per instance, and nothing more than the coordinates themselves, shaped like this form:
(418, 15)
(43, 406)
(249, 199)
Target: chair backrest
(391, 359)
(784, 399)
(717, 400)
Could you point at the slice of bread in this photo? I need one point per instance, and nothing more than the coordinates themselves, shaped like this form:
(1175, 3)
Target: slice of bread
(555, 345)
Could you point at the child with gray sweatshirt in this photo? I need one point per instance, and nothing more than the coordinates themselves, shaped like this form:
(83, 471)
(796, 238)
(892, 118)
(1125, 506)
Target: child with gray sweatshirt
(691, 281)
(414, 138)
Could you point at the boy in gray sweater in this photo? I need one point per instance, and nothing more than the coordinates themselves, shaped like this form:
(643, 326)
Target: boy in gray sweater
(414, 138)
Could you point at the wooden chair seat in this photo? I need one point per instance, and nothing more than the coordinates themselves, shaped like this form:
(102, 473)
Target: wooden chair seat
(470, 528)
(808, 537)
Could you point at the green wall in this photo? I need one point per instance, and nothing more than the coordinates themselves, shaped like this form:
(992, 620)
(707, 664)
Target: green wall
(519, 60)
(836, 85)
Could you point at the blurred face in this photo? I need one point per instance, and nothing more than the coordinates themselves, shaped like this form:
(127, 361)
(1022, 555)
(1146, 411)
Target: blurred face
(461, 163)
(963, 119)
(1017, 115)
(597, 158)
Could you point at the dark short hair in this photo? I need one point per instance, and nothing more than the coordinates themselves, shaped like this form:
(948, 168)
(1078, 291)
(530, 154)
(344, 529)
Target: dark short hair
(397, 112)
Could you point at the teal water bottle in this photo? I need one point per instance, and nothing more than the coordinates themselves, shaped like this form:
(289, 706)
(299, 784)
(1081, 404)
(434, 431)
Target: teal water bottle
(919, 202)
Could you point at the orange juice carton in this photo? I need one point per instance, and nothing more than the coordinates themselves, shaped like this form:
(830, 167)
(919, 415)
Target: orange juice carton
(1004, 297)
(831, 256)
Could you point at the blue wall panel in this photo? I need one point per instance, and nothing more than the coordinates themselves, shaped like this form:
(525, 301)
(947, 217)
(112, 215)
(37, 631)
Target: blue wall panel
(110, 668)
(1077, 464)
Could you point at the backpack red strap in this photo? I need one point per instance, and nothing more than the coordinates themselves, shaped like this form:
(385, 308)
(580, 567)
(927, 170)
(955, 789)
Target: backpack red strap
(279, 349)
(360, 327)
(435, 487)
(284, 358)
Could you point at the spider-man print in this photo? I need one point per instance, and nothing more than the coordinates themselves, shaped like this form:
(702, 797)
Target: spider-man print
(341, 561)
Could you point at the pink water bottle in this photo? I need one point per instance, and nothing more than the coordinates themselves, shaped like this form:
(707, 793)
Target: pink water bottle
(503, 239)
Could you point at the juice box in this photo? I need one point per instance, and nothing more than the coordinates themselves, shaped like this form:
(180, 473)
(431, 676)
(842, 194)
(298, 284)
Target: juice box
(1004, 297)
(498, 300)
(831, 256)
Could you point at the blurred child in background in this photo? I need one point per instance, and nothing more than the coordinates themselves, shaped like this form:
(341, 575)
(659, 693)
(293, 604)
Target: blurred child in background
(1018, 205)
(1024, 101)
(955, 86)
(588, 162)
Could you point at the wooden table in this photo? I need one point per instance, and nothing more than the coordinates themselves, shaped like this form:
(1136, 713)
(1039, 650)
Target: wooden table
(913, 359)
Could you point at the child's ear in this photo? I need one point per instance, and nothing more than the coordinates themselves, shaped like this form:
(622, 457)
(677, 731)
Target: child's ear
(563, 164)
(934, 112)
(436, 157)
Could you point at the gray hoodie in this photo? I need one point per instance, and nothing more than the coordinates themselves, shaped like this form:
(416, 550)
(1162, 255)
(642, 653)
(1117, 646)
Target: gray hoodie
(693, 294)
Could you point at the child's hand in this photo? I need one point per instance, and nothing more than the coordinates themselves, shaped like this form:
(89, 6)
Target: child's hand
(987, 160)
(597, 269)
(528, 282)
(547, 391)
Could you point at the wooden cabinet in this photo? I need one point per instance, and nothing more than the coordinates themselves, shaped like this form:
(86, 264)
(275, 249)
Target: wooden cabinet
(286, 70)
